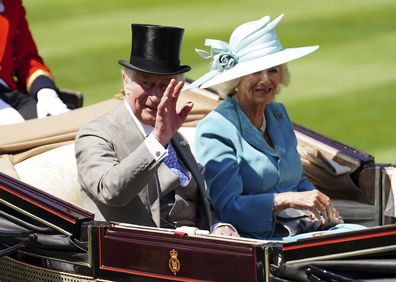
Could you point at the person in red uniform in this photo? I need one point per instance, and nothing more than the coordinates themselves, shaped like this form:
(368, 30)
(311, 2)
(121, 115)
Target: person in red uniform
(27, 87)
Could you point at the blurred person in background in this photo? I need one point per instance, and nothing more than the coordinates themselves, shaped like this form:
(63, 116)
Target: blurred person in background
(27, 87)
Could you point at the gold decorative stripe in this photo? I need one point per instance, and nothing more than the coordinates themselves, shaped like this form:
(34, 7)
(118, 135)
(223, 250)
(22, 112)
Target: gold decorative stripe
(33, 77)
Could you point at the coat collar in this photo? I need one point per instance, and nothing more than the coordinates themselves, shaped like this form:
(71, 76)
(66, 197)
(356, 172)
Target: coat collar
(183, 151)
(231, 110)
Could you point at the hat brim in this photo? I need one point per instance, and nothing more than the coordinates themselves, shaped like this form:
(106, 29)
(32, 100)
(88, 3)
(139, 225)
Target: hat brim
(262, 63)
(181, 69)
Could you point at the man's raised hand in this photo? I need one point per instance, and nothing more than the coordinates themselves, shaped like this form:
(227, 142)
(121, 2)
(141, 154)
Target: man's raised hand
(168, 121)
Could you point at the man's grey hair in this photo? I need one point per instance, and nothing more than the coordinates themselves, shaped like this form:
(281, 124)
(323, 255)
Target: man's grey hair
(129, 73)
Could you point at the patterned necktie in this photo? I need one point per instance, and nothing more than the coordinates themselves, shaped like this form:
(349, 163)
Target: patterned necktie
(171, 161)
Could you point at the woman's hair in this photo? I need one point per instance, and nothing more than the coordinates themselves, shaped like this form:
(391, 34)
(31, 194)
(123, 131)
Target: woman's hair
(228, 88)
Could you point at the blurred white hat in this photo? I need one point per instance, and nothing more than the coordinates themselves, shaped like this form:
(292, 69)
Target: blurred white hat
(253, 46)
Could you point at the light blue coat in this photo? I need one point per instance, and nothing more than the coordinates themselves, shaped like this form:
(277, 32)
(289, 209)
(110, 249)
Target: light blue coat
(242, 170)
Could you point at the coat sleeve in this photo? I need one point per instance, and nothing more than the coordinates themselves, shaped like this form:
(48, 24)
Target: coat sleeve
(28, 63)
(109, 179)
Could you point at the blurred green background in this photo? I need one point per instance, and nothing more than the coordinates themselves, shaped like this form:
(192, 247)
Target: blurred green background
(345, 90)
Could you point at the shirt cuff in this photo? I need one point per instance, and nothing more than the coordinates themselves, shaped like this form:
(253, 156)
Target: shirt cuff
(156, 149)
(39, 83)
(220, 224)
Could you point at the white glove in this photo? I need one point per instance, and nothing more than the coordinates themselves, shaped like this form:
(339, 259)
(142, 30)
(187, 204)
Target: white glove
(8, 115)
(48, 103)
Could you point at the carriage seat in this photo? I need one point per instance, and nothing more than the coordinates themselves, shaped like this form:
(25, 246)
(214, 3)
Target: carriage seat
(55, 172)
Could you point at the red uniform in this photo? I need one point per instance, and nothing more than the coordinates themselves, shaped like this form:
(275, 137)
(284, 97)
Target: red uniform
(19, 57)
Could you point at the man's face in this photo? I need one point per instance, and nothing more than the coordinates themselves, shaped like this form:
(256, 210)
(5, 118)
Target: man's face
(144, 91)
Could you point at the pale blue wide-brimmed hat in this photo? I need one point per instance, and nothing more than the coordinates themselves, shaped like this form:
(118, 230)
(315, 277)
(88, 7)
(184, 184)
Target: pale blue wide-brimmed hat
(253, 46)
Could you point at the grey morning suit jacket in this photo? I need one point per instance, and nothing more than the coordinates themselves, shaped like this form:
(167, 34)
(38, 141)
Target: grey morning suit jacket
(119, 176)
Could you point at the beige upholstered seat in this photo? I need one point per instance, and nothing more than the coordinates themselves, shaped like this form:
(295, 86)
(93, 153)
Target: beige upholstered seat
(54, 172)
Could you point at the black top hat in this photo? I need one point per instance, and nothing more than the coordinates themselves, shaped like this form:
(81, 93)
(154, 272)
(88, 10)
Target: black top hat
(156, 49)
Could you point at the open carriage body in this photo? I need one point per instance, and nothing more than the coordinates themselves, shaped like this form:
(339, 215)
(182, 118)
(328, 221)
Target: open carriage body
(46, 234)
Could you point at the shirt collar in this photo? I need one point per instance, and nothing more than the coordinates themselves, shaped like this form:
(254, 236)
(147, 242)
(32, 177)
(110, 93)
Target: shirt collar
(144, 128)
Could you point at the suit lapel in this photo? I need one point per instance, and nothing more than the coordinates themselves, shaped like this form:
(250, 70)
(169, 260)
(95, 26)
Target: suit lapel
(184, 153)
(132, 137)
(275, 126)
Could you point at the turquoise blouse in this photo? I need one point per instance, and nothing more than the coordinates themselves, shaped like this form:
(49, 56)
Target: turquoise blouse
(242, 171)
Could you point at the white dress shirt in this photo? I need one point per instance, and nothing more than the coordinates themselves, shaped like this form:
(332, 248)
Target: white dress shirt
(156, 149)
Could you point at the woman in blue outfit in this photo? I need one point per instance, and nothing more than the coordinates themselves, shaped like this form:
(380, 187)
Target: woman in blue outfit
(247, 144)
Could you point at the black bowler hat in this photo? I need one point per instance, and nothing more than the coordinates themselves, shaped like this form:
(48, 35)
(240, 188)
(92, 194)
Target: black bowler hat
(156, 49)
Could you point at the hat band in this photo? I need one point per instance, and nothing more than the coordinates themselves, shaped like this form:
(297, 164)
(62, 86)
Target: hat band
(155, 65)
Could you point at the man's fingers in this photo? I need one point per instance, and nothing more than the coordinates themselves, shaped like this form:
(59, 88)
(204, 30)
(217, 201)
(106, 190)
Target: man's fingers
(168, 96)
(170, 89)
(162, 105)
(185, 111)
(177, 90)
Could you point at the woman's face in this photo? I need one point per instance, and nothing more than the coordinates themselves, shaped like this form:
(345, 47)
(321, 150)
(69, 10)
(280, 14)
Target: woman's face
(258, 89)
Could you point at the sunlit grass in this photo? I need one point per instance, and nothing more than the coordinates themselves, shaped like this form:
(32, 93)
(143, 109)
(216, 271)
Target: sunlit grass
(345, 90)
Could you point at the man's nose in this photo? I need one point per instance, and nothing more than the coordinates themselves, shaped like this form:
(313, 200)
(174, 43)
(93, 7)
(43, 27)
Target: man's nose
(155, 90)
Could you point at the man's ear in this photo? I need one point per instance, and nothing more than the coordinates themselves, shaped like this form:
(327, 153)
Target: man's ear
(124, 81)
(122, 75)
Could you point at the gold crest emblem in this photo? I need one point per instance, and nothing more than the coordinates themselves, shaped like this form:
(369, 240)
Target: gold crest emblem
(174, 263)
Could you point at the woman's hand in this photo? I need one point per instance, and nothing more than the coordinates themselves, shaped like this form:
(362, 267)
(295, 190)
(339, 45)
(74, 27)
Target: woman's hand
(315, 201)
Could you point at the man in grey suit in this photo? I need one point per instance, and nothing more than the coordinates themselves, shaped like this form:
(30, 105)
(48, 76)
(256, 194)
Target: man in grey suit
(133, 165)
